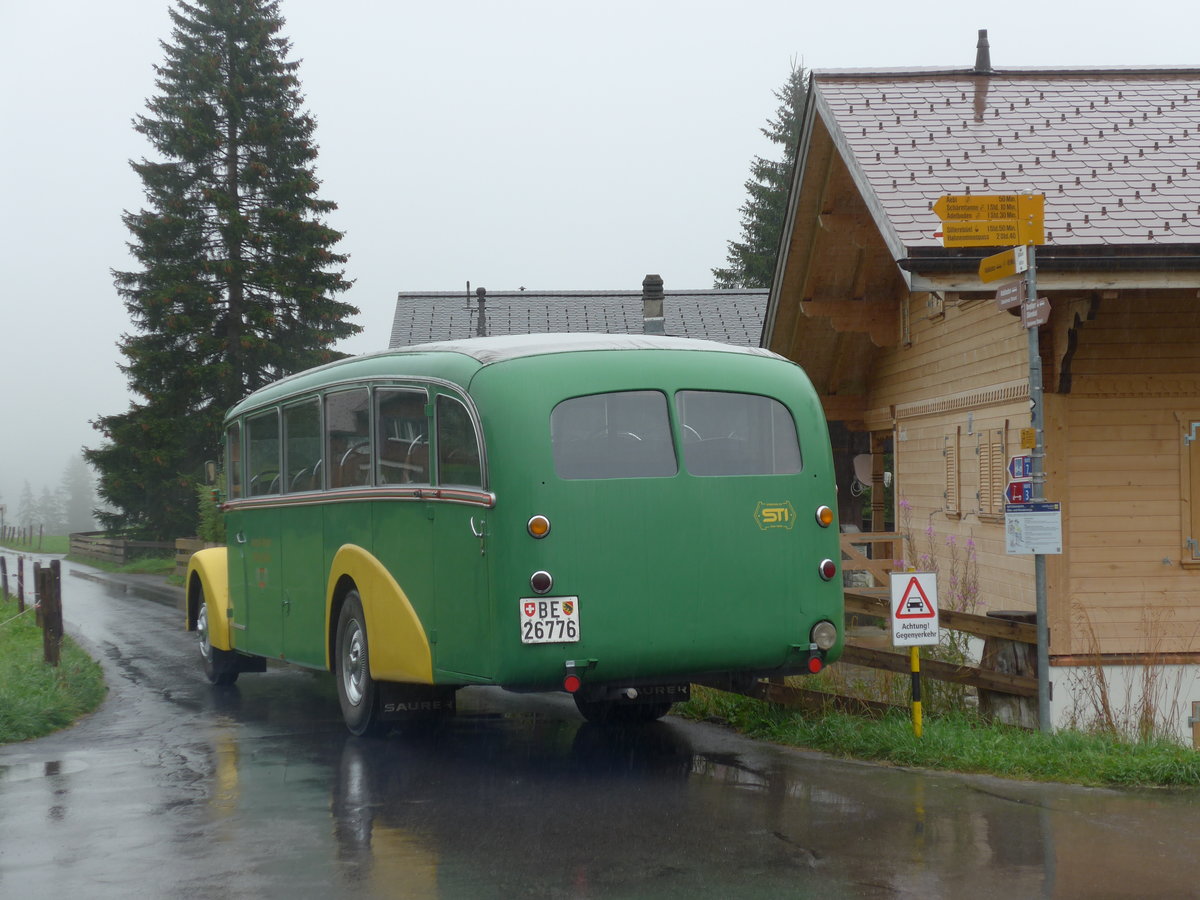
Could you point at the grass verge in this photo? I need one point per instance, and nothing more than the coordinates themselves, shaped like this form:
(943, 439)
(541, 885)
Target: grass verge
(959, 742)
(36, 699)
(58, 543)
(147, 565)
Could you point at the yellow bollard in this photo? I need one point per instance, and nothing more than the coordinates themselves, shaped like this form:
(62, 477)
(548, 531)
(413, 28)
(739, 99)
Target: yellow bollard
(915, 665)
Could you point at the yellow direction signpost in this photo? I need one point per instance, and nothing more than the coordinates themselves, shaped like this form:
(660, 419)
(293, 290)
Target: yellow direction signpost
(1003, 265)
(991, 220)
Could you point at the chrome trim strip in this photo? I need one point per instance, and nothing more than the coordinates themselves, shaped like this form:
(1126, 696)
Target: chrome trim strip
(485, 499)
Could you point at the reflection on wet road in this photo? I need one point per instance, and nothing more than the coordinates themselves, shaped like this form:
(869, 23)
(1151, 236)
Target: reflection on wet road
(177, 789)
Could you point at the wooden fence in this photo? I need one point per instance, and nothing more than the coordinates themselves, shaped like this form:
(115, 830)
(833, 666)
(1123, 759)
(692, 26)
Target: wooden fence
(184, 548)
(22, 534)
(117, 550)
(1015, 682)
(47, 602)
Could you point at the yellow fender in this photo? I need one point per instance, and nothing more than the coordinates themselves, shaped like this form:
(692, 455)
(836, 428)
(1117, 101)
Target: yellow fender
(399, 649)
(212, 568)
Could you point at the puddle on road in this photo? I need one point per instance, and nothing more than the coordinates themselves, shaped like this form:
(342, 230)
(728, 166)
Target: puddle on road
(46, 769)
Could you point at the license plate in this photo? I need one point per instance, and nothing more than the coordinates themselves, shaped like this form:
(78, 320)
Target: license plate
(549, 620)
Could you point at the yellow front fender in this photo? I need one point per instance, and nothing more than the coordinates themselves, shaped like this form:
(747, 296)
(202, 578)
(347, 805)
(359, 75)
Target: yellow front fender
(208, 570)
(399, 649)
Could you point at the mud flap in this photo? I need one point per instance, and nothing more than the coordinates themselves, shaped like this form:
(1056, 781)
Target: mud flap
(251, 663)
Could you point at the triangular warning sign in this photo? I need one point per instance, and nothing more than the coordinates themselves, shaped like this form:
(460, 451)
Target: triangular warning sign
(914, 604)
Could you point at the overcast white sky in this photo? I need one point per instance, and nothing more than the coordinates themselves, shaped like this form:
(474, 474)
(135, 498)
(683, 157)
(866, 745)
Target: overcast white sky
(554, 145)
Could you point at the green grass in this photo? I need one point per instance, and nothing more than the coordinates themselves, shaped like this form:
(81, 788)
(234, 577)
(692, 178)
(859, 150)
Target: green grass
(148, 565)
(61, 544)
(57, 543)
(958, 742)
(36, 699)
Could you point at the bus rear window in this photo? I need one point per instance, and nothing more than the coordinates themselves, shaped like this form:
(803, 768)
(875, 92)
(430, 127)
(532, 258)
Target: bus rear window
(736, 434)
(626, 434)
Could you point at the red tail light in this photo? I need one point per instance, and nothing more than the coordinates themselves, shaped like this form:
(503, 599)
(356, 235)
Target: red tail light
(828, 569)
(571, 683)
(814, 664)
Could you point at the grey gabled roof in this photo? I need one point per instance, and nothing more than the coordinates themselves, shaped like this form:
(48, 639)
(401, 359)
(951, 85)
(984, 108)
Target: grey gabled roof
(730, 316)
(1116, 152)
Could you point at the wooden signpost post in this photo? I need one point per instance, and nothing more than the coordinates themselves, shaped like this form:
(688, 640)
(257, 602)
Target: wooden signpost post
(993, 220)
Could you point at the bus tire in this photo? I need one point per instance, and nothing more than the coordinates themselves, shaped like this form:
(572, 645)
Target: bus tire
(220, 666)
(358, 695)
(617, 712)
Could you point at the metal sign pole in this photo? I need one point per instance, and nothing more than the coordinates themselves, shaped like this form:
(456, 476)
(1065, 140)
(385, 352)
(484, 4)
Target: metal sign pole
(1037, 421)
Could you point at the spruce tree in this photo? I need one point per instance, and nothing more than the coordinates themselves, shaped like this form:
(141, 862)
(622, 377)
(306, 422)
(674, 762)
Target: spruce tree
(751, 261)
(236, 274)
(77, 496)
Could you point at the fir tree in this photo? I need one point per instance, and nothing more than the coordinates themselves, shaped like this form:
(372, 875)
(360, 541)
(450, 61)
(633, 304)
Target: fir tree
(27, 509)
(77, 496)
(237, 275)
(751, 261)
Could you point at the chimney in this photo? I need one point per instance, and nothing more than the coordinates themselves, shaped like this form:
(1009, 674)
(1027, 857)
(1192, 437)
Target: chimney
(983, 55)
(652, 305)
(481, 322)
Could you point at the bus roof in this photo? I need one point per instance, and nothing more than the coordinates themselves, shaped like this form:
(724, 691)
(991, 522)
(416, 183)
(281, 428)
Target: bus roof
(457, 361)
(489, 350)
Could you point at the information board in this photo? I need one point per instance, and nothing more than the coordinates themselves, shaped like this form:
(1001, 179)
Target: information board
(1033, 528)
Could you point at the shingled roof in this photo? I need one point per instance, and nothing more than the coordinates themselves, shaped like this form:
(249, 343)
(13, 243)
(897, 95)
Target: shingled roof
(1116, 152)
(731, 316)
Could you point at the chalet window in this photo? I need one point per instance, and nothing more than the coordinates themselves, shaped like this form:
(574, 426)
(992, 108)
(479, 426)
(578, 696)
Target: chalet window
(953, 492)
(993, 472)
(1189, 490)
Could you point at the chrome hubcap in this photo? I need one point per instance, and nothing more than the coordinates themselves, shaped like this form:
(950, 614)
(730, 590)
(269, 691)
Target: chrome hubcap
(202, 632)
(354, 664)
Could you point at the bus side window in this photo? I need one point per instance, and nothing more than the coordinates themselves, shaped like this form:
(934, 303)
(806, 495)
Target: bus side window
(348, 438)
(402, 437)
(457, 444)
(233, 460)
(302, 446)
(262, 441)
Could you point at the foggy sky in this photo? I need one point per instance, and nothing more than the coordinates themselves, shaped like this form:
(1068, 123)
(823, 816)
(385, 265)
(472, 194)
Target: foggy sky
(552, 145)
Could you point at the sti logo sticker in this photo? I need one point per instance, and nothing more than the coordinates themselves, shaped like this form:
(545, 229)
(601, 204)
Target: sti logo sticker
(775, 515)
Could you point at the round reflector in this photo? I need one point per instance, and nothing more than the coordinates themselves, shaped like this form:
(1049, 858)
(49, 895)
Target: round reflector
(541, 581)
(571, 684)
(824, 516)
(828, 569)
(539, 526)
(814, 664)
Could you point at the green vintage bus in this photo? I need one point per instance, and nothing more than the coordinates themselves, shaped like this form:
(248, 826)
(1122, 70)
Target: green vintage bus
(615, 516)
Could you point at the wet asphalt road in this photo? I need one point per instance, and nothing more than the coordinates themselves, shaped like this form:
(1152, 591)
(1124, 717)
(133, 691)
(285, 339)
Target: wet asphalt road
(177, 789)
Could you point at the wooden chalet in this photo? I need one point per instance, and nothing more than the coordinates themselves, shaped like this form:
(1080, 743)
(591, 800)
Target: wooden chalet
(910, 351)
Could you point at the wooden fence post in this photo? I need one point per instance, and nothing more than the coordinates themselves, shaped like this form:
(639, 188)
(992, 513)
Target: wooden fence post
(4, 575)
(49, 583)
(20, 584)
(1013, 658)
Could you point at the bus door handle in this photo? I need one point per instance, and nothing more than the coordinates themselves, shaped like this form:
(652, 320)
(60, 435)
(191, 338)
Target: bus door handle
(240, 537)
(479, 532)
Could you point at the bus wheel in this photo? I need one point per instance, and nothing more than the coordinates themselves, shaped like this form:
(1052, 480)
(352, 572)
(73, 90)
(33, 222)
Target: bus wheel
(618, 712)
(220, 666)
(358, 694)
